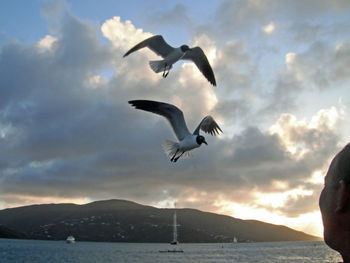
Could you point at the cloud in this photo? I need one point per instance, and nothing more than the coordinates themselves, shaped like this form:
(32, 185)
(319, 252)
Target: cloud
(315, 7)
(340, 60)
(123, 35)
(298, 205)
(309, 65)
(235, 15)
(233, 68)
(53, 9)
(47, 106)
(174, 16)
(46, 43)
(79, 46)
(258, 162)
(269, 28)
(302, 138)
(305, 32)
(72, 139)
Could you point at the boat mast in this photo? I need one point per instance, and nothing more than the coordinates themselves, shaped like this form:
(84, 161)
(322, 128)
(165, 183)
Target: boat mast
(174, 228)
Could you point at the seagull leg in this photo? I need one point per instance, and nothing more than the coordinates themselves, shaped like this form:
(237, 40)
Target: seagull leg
(172, 158)
(177, 158)
(165, 72)
(164, 76)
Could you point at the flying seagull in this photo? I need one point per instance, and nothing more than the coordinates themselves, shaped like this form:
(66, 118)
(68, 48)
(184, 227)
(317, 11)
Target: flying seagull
(171, 55)
(174, 115)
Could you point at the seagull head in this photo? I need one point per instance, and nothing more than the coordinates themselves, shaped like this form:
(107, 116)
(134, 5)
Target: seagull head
(184, 48)
(200, 139)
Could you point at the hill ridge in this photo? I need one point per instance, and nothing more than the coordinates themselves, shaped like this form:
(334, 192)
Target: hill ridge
(118, 220)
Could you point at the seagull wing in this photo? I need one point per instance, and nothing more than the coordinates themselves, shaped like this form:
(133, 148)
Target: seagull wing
(173, 114)
(156, 43)
(208, 125)
(197, 55)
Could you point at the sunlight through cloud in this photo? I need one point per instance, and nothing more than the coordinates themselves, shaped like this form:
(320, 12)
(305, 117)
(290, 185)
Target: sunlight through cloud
(292, 131)
(269, 28)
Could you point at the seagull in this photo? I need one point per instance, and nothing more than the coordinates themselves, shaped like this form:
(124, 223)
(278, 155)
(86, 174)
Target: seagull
(174, 115)
(171, 55)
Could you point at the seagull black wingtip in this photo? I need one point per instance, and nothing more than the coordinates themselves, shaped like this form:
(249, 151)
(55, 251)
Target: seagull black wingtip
(213, 81)
(126, 54)
(132, 103)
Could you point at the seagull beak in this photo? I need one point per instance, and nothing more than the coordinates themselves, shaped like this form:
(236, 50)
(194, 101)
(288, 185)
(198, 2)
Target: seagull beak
(205, 142)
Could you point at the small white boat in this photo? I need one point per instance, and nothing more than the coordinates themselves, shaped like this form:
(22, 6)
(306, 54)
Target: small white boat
(70, 240)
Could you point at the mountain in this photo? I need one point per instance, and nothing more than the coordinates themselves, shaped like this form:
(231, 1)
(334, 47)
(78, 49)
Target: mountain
(9, 233)
(125, 221)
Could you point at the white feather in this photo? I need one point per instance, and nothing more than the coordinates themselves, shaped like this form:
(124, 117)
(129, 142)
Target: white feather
(158, 65)
(171, 147)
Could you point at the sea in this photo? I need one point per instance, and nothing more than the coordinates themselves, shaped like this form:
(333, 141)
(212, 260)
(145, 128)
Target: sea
(36, 251)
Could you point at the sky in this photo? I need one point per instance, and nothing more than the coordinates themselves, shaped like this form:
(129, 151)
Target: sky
(67, 133)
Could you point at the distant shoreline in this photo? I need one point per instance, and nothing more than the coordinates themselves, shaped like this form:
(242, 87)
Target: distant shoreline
(185, 243)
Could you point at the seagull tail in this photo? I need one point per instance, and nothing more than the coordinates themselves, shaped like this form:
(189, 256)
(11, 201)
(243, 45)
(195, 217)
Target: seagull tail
(170, 147)
(158, 66)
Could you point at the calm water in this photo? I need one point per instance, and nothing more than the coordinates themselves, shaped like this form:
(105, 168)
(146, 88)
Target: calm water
(85, 252)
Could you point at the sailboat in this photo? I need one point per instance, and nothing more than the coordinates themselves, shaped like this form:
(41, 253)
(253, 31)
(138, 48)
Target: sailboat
(174, 241)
